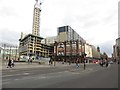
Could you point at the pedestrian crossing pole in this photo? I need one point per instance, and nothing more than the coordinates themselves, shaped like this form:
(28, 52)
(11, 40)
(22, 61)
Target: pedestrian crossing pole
(84, 55)
(55, 53)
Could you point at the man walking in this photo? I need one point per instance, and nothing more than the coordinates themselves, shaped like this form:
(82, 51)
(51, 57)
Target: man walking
(106, 63)
(77, 63)
(9, 63)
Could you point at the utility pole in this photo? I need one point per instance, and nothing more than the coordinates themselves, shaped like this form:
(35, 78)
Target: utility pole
(71, 51)
(4, 45)
(16, 53)
(10, 53)
(55, 54)
(77, 48)
(65, 50)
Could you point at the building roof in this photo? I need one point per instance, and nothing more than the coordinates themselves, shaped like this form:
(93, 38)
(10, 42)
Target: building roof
(29, 36)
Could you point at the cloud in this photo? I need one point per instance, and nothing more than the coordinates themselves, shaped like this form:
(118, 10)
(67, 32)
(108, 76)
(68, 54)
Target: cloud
(9, 37)
(46, 32)
(107, 47)
(90, 24)
(7, 12)
(95, 20)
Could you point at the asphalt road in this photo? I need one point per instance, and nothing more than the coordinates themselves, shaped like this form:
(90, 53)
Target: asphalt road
(62, 77)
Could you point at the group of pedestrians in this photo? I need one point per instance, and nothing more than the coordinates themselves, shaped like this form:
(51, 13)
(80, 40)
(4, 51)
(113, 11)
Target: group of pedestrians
(10, 63)
(104, 63)
(78, 63)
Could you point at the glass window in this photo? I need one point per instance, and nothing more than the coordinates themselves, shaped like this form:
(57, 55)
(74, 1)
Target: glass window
(61, 29)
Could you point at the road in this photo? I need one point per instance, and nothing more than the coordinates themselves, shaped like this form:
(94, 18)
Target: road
(62, 77)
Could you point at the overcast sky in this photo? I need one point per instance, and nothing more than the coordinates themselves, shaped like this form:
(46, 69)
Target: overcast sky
(94, 20)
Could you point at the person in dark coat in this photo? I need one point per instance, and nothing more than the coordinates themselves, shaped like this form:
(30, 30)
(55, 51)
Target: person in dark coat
(106, 63)
(9, 63)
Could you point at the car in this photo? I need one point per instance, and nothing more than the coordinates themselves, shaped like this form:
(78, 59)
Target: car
(111, 62)
(95, 61)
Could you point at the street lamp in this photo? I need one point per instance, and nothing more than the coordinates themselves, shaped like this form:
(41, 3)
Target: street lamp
(55, 52)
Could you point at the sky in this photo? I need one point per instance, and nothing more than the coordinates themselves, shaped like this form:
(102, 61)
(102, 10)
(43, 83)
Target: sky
(94, 20)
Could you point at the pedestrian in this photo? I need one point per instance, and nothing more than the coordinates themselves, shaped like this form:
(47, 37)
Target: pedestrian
(9, 63)
(31, 60)
(50, 61)
(101, 63)
(12, 62)
(28, 60)
(77, 63)
(118, 62)
(84, 64)
(106, 63)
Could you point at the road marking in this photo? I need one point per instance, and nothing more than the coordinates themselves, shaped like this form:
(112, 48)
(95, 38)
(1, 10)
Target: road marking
(16, 79)
(15, 75)
(10, 75)
(6, 82)
(42, 77)
(26, 73)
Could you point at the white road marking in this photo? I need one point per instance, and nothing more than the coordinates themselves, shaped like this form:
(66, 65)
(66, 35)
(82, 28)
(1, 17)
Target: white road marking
(26, 73)
(42, 77)
(10, 75)
(6, 82)
(15, 75)
(16, 79)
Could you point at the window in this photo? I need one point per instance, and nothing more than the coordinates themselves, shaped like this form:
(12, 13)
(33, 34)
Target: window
(61, 29)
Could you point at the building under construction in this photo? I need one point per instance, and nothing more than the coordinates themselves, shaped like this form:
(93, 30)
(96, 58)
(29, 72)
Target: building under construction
(30, 45)
(67, 45)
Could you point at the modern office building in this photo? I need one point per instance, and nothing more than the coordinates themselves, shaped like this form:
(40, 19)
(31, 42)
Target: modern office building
(69, 39)
(70, 43)
(66, 33)
(92, 51)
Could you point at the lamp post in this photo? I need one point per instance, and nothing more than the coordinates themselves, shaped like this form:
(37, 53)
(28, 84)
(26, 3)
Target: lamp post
(84, 61)
(4, 45)
(65, 50)
(70, 52)
(16, 53)
(55, 53)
